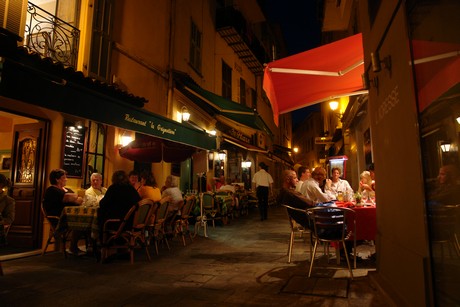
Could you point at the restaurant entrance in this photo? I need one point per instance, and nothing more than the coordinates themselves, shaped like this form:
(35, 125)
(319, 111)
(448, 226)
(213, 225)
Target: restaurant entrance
(23, 146)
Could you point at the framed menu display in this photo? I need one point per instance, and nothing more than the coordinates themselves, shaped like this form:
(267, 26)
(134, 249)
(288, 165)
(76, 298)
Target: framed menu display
(74, 146)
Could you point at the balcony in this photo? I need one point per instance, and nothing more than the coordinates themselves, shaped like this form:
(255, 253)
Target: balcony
(235, 30)
(51, 37)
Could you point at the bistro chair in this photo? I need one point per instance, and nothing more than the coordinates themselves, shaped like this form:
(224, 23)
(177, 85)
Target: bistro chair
(54, 235)
(210, 208)
(331, 225)
(156, 229)
(298, 221)
(125, 237)
(443, 222)
(182, 223)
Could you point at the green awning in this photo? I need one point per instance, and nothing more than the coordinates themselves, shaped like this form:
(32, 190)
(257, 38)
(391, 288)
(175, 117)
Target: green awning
(222, 106)
(35, 86)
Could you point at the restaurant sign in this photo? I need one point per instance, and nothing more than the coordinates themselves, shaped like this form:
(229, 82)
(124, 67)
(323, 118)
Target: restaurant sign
(324, 140)
(239, 135)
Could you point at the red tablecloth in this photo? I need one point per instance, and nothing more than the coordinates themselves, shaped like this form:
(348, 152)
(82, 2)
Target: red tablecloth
(366, 221)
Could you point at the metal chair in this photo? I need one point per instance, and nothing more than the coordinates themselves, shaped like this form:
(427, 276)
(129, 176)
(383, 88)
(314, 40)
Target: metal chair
(298, 221)
(443, 221)
(331, 224)
(128, 237)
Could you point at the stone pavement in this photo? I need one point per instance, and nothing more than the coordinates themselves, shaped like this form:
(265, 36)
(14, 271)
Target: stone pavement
(243, 263)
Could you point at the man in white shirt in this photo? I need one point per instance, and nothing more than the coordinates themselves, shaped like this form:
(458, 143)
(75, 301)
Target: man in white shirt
(312, 191)
(96, 192)
(263, 183)
(303, 173)
(339, 185)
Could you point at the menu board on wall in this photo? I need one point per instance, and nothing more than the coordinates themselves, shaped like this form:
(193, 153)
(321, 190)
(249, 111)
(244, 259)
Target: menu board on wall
(74, 145)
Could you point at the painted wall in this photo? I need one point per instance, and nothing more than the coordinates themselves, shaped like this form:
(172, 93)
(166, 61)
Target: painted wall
(402, 245)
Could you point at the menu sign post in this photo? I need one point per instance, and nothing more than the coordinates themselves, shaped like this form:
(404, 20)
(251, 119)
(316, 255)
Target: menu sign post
(74, 145)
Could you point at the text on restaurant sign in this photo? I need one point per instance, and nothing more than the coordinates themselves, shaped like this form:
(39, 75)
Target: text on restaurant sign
(149, 123)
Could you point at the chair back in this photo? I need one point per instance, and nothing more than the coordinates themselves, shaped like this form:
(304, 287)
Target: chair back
(162, 211)
(300, 216)
(52, 220)
(208, 201)
(190, 202)
(143, 213)
(330, 223)
(443, 220)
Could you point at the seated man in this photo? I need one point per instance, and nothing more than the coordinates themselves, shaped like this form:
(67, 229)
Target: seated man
(290, 197)
(312, 190)
(96, 192)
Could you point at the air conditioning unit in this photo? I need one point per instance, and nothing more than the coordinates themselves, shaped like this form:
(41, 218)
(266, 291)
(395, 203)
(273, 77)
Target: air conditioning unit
(13, 16)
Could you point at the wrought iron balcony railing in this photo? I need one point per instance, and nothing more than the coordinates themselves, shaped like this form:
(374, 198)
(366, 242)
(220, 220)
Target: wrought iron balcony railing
(233, 28)
(51, 37)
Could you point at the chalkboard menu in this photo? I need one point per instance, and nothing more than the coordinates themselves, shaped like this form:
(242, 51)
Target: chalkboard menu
(74, 145)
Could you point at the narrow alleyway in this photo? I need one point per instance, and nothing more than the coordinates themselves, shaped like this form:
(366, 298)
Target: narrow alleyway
(243, 263)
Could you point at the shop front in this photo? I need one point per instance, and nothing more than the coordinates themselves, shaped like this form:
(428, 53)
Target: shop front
(55, 118)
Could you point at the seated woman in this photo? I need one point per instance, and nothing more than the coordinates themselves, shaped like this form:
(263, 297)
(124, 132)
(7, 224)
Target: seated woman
(118, 199)
(149, 188)
(57, 196)
(174, 193)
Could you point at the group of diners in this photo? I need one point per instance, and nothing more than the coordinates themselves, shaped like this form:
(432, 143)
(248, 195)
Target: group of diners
(317, 188)
(114, 202)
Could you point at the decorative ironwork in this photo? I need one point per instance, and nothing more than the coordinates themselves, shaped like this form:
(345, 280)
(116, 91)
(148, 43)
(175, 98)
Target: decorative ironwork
(51, 37)
(26, 165)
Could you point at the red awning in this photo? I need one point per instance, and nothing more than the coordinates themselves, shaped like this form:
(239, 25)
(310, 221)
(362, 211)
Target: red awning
(149, 149)
(316, 75)
(437, 67)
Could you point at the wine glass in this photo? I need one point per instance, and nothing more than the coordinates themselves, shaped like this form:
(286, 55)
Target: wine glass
(365, 197)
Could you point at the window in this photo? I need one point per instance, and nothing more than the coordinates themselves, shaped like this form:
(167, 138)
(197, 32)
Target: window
(242, 91)
(253, 98)
(226, 81)
(95, 155)
(99, 63)
(195, 47)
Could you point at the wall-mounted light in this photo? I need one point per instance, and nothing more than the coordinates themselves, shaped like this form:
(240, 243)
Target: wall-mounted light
(126, 138)
(222, 155)
(333, 105)
(212, 132)
(211, 156)
(185, 114)
(295, 149)
(246, 164)
(458, 120)
(445, 147)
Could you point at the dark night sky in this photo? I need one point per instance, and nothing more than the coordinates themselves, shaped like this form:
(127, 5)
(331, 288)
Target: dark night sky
(301, 27)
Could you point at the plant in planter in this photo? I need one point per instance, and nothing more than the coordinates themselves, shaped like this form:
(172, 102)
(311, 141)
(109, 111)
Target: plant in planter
(358, 197)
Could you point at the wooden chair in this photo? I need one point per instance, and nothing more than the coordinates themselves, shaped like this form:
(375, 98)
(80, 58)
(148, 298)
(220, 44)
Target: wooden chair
(298, 221)
(182, 224)
(329, 224)
(54, 235)
(128, 237)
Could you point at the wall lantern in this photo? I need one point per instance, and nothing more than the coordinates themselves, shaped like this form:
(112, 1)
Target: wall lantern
(211, 156)
(246, 164)
(445, 147)
(458, 119)
(334, 105)
(295, 149)
(222, 155)
(185, 114)
(126, 138)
